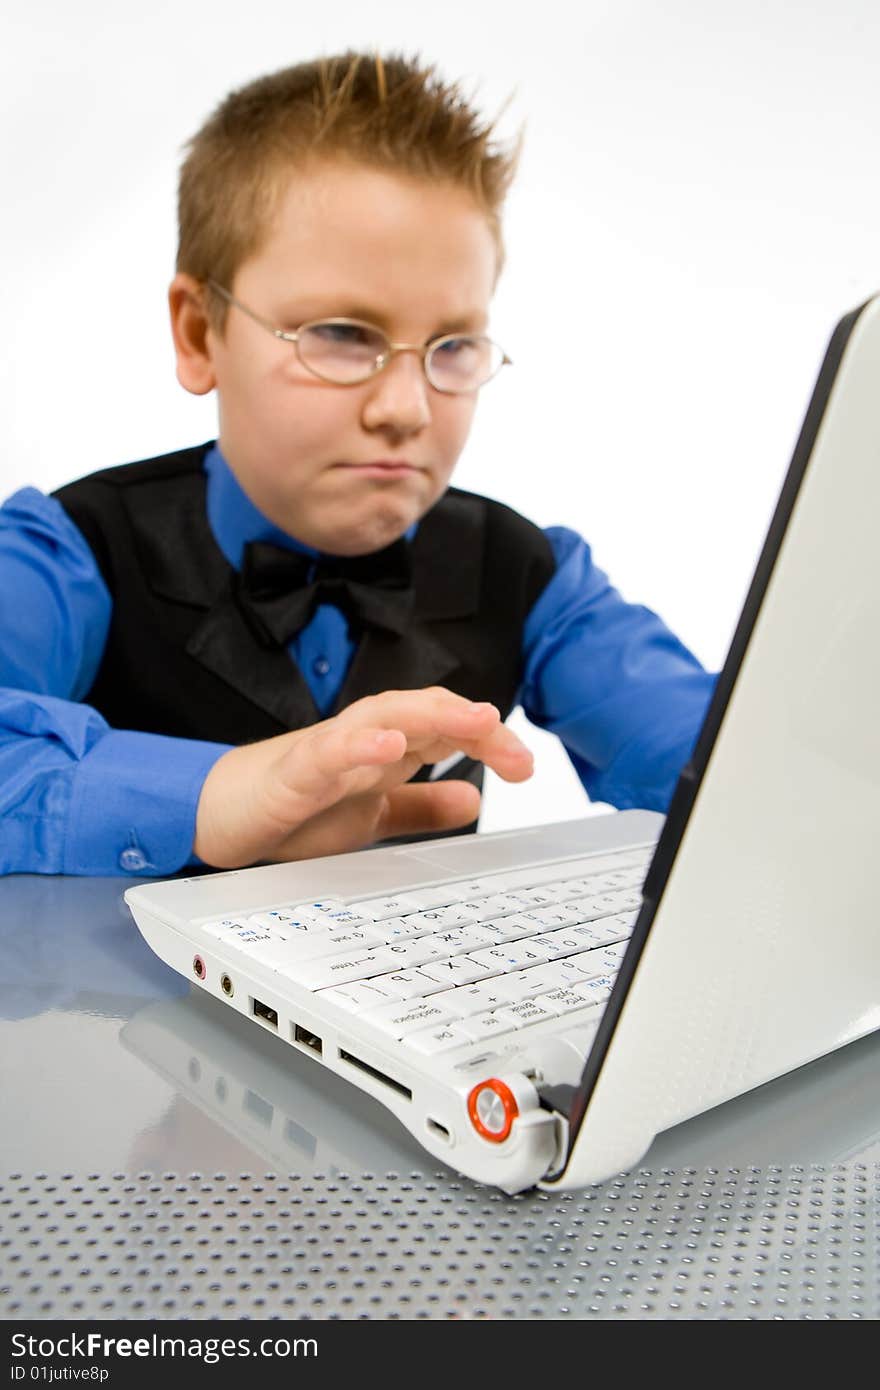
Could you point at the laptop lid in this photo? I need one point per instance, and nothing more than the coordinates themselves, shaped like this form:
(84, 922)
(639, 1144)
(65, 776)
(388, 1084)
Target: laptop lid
(757, 948)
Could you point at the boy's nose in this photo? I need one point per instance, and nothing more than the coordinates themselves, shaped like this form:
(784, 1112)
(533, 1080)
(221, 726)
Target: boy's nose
(397, 397)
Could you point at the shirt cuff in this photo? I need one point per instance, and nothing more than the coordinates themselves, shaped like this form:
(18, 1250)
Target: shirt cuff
(133, 804)
(643, 777)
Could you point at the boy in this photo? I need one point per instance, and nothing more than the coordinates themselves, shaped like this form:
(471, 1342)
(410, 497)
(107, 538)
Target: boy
(172, 631)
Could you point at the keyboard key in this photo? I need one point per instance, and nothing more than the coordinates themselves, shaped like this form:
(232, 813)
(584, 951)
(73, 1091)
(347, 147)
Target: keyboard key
(543, 978)
(522, 984)
(552, 918)
(235, 931)
(571, 971)
(282, 956)
(312, 946)
(561, 1001)
(504, 929)
(560, 943)
(614, 954)
(376, 909)
(526, 1011)
(495, 905)
(460, 939)
(357, 998)
(404, 955)
(460, 970)
(402, 1018)
(341, 970)
(603, 904)
(341, 937)
(487, 1025)
(319, 908)
(532, 897)
(287, 921)
(454, 1001)
(599, 933)
(590, 964)
(515, 956)
(575, 888)
(344, 917)
(442, 918)
(478, 998)
(404, 928)
(407, 984)
(226, 926)
(431, 1041)
(596, 990)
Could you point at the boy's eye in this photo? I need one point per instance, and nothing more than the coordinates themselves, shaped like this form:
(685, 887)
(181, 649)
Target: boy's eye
(455, 347)
(344, 334)
(341, 351)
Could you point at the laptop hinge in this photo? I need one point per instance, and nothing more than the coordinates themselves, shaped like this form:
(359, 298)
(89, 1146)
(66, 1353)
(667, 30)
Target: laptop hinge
(558, 1098)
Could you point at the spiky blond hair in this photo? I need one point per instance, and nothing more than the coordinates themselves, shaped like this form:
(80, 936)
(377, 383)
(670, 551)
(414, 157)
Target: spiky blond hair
(392, 113)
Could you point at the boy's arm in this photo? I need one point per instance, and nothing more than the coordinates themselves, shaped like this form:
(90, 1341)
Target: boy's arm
(75, 795)
(623, 694)
(78, 797)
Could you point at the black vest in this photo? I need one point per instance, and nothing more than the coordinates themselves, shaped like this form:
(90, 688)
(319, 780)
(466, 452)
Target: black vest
(181, 660)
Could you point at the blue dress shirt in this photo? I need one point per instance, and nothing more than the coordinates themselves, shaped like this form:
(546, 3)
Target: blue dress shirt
(608, 677)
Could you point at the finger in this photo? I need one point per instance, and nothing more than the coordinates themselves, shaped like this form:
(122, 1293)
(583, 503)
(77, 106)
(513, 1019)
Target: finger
(331, 762)
(423, 807)
(504, 753)
(423, 714)
(500, 749)
(438, 722)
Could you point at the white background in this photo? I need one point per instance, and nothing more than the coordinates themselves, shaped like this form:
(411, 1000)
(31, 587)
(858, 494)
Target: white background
(697, 205)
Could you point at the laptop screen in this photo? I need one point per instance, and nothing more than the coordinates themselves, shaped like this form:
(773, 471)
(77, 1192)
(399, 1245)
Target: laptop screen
(575, 1102)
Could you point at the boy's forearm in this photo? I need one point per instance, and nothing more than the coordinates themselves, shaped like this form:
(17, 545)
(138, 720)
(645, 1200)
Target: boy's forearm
(82, 798)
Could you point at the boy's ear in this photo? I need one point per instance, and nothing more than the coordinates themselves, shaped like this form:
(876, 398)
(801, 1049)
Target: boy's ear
(190, 328)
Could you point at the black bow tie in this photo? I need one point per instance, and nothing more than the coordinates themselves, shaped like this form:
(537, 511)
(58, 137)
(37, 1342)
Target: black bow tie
(278, 590)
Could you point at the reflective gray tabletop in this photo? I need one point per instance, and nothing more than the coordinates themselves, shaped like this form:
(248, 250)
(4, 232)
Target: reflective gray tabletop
(122, 1085)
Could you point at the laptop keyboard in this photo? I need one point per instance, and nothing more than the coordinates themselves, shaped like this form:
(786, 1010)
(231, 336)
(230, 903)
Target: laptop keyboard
(445, 967)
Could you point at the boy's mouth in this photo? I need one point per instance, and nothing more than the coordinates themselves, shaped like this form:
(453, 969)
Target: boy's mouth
(381, 468)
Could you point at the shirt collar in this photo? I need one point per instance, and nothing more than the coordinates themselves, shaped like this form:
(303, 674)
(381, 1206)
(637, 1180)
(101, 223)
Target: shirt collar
(235, 520)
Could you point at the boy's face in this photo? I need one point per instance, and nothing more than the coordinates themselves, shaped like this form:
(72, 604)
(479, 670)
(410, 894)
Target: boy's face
(348, 469)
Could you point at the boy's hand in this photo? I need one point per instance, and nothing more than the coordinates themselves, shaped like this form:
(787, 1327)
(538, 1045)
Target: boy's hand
(340, 785)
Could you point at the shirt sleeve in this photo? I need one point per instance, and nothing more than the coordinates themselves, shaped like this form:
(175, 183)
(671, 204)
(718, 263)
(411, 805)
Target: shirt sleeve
(624, 695)
(76, 796)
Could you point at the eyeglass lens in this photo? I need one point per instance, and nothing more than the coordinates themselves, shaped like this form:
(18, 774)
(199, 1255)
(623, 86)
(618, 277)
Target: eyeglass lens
(348, 352)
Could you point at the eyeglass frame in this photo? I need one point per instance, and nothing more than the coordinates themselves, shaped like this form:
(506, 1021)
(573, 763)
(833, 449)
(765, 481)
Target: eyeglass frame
(382, 361)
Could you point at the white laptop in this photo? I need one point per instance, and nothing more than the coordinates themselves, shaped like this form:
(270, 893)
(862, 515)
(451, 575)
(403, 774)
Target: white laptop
(535, 1006)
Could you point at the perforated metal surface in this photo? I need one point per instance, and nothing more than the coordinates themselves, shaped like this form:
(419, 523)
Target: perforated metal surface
(771, 1242)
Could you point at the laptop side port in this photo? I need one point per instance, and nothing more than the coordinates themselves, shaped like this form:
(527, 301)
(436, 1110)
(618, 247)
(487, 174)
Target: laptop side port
(264, 1013)
(227, 986)
(374, 1072)
(440, 1131)
(305, 1038)
(199, 968)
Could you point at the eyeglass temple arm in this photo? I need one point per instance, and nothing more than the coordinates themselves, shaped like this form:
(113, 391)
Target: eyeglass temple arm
(257, 318)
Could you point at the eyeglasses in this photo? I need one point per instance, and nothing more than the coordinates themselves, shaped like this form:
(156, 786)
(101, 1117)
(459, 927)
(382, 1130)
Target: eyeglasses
(347, 351)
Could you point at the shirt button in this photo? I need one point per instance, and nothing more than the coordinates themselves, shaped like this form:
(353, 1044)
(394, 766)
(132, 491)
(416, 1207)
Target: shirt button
(132, 860)
(320, 665)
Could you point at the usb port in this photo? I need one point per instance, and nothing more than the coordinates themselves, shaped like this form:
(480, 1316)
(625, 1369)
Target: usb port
(263, 1011)
(307, 1039)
